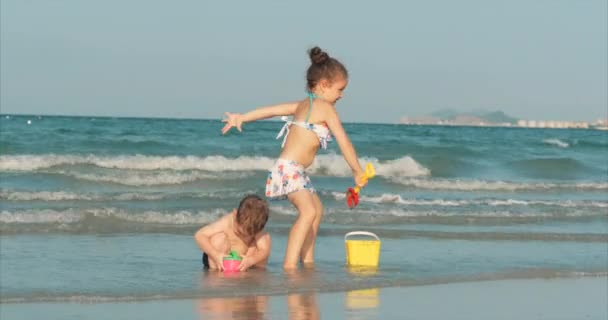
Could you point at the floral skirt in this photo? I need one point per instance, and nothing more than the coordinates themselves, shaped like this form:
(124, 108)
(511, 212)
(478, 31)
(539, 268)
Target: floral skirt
(285, 177)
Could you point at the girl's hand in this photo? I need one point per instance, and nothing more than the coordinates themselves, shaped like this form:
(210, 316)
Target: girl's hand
(360, 179)
(232, 120)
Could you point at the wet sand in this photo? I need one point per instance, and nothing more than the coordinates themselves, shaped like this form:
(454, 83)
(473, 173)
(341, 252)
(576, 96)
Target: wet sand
(568, 298)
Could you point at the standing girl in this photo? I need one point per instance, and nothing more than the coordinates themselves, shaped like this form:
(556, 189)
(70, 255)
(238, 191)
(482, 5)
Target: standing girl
(313, 119)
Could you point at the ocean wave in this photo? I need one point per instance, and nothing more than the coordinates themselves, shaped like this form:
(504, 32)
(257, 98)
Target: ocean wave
(45, 196)
(553, 168)
(10, 195)
(373, 216)
(116, 220)
(135, 162)
(473, 235)
(397, 199)
(601, 143)
(94, 216)
(469, 215)
(40, 216)
(334, 165)
(556, 142)
(131, 178)
(487, 185)
(330, 164)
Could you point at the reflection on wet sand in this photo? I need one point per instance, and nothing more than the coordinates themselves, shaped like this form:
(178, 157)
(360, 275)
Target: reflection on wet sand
(301, 279)
(249, 307)
(300, 306)
(362, 299)
(303, 306)
(230, 284)
(300, 297)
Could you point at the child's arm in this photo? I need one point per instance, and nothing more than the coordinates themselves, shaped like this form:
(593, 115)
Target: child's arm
(203, 238)
(346, 147)
(257, 256)
(237, 119)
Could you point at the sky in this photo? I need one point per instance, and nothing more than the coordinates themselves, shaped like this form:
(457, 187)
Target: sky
(544, 59)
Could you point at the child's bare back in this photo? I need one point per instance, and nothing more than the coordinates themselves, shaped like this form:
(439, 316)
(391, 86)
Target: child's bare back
(241, 230)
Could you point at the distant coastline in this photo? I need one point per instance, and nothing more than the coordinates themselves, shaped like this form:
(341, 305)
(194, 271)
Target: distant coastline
(496, 119)
(461, 120)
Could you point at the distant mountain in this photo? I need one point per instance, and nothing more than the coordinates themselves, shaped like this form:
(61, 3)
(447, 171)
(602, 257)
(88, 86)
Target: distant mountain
(487, 116)
(498, 116)
(445, 114)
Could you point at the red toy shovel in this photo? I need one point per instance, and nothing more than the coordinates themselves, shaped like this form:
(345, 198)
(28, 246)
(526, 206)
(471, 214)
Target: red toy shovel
(352, 194)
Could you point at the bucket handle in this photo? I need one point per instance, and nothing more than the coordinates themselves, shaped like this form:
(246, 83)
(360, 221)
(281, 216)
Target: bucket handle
(361, 233)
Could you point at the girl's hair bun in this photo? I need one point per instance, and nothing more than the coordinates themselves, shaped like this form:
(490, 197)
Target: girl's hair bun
(318, 56)
(323, 66)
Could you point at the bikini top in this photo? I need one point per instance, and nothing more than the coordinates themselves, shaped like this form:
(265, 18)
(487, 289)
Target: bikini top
(321, 130)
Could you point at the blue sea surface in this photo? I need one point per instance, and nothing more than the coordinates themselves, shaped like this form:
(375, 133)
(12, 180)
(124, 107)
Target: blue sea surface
(103, 209)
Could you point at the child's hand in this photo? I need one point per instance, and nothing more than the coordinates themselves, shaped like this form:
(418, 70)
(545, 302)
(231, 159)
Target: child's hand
(360, 179)
(232, 120)
(246, 263)
(219, 261)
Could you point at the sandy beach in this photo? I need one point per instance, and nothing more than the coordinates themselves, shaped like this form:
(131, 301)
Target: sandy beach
(126, 127)
(567, 298)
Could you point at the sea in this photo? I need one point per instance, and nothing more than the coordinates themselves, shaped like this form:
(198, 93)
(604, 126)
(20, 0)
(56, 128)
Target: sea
(101, 209)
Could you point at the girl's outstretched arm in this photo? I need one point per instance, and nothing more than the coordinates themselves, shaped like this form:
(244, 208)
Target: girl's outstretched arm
(346, 147)
(237, 119)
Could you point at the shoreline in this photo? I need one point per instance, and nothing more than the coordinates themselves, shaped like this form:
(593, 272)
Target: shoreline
(498, 299)
(533, 275)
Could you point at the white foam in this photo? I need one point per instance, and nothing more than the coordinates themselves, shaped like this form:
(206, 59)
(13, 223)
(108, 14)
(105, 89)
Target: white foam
(475, 185)
(63, 219)
(136, 162)
(556, 142)
(68, 216)
(286, 210)
(70, 196)
(340, 214)
(44, 195)
(397, 199)
(335, 165)
(40, 216)
(141, 178)
(137, 196)
(129, 196)
(183, 217)
(332, 164)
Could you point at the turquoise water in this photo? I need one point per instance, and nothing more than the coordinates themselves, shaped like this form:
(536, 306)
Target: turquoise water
(104, 208)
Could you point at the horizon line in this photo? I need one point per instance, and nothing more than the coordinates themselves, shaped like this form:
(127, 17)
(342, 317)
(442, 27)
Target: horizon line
(156, 117)
(3, 115)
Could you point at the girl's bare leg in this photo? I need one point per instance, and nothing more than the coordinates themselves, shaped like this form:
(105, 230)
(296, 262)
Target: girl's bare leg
(304, 203)
(307, 254)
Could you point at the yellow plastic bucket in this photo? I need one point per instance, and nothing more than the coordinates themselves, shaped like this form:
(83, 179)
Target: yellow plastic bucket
(362, 252)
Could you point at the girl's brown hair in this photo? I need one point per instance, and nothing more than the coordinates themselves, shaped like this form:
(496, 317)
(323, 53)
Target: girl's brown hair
(323, 66)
